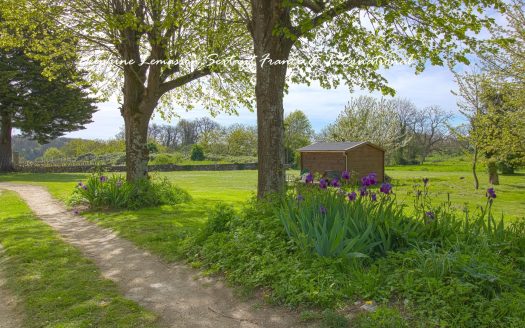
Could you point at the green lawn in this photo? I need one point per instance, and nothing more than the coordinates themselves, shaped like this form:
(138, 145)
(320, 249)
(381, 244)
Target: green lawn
(58, 287)
(161, 229)
(510, 199)
(59, 185)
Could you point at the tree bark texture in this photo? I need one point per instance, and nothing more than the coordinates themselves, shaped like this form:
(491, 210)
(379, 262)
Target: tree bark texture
(269, 92)
(6, 154)
(136, 111)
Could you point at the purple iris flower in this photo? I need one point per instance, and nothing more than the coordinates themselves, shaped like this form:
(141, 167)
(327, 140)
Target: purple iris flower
(309, 178)
(335, 183)
(352, 196)
(425, 181)
(373, 196)
(300, 198)
(386, 188)
(345, 175)
(103, 178)
(322, 209)
(323, 183)
(76, 211)
(84, 187)
(362, 191)
(491, 193)
(372, 178)
(365, 181)
(429, 217)
(80, 184)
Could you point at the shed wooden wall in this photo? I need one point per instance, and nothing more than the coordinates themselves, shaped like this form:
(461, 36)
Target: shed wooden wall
(366, 159)
(321, 162)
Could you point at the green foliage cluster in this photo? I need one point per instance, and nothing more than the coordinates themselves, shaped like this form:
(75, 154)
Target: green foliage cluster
(431, 270)
(231, 159)
(80, 147)
(326, 223)
(52, 153)
(197, 153)
(102, 192)
(165, 158)
(298, 132)
(42, 109)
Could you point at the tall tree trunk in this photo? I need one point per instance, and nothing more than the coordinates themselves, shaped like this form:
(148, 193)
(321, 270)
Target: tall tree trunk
(493, 172)
(137, 154)
(136, 111)
(269, 92)
(6, 154)
(474, 173)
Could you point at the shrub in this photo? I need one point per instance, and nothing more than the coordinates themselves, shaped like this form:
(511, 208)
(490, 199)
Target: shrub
(434, 268)
(102, 192)
(218, 220)
(197, 153)
(52, 154)
(231, 159)
(327, 223)
(152, 147)
(166, 158)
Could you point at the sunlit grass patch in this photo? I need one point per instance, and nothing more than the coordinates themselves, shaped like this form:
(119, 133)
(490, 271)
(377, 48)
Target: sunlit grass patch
(58, 287)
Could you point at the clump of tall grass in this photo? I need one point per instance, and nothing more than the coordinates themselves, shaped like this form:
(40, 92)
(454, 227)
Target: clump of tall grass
(114, 192)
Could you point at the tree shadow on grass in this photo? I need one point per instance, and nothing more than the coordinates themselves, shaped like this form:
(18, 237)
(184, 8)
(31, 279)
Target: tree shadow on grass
(161, 230)
(58, 285)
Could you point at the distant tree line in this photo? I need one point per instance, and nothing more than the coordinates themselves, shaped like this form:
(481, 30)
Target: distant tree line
(407, 133)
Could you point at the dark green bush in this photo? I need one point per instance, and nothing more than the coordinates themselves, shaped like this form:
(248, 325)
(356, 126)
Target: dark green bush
(103, 192)
(219, 220)
(152, 147)
(197, 153)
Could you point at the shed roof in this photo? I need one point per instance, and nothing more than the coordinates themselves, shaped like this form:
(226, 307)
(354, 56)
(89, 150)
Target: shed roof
(336, 146)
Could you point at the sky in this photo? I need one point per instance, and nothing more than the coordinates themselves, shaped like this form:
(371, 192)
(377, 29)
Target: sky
(433, 86)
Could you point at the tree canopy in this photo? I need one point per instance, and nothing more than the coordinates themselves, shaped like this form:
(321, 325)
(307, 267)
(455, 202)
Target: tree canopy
(298, 132)
(41, 109)
(143, 50)
(347, 41)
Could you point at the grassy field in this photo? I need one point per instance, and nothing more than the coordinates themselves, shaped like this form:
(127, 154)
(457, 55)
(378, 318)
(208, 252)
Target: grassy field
(450, 178)
(58, 287)
(453, 178)
(162, 229)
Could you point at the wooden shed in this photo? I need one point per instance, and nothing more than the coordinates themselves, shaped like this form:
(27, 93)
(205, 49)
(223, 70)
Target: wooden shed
(359, 158)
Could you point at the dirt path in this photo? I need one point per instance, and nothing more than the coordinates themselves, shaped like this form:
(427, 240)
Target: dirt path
(174, 291)
(11, 315)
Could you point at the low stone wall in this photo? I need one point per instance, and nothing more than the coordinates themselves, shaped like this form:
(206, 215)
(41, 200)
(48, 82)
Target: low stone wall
(122, 168)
